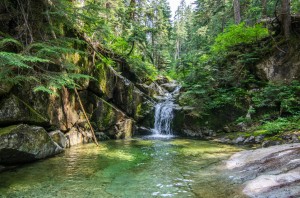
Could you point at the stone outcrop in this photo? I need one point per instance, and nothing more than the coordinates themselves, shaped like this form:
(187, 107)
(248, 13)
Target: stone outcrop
(268, 172)
(122, 92)
(24, 143)
(280, 66)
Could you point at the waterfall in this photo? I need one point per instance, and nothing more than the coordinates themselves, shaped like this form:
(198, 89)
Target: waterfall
(164, 114)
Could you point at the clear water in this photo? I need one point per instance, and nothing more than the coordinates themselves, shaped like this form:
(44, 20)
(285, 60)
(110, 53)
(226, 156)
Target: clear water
(130, 168)
(164, 114)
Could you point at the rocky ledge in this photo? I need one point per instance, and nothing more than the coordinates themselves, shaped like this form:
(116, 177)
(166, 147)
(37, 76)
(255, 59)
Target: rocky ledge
(268, 172)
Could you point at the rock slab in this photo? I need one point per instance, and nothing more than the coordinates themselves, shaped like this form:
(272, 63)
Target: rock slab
(268, 172)
(24, 143)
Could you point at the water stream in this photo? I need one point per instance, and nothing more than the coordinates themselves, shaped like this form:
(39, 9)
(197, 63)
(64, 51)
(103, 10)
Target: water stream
(137, 168)
(164, 114)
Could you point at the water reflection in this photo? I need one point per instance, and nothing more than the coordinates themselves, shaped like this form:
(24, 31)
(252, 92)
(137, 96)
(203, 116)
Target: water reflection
(144, 167)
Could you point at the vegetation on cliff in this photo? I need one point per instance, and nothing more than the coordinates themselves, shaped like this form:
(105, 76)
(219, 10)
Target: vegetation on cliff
(212, 47)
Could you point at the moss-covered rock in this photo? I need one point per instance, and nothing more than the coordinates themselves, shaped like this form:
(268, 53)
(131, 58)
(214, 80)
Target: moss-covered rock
(121, 92)
(106, 117)
(24, 143)
(15, 110)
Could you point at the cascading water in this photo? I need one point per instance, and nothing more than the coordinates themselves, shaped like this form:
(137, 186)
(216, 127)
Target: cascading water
(164, 114)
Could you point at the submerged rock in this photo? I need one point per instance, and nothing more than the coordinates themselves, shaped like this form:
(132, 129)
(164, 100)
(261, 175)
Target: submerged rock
(24, 143)
(268, 172)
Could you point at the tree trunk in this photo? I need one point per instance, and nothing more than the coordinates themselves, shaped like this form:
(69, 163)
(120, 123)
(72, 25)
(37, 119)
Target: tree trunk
(286, 17)
(264, 8)
(237, 11)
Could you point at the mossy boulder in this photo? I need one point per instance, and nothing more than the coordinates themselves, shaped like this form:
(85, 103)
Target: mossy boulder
(113, 87)
(106, 117)
(24, 143)
(15, 110)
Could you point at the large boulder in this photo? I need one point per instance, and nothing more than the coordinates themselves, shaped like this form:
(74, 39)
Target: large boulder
(106, 117)
(13, 109)
(121, 92)
(268, 172)
(24, 143)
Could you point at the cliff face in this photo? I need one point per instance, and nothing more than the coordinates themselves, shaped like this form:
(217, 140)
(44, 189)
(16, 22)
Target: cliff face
(111, 98)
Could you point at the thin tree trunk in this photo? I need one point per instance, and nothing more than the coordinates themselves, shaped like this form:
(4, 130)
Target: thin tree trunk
(286, 17)
(237, 11)
(264, 8)
(86, 117)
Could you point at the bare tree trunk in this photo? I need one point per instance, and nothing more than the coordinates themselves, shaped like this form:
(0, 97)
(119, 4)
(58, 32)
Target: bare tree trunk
(264, 8)
(86, 117)
(237, 11)
(286, 17)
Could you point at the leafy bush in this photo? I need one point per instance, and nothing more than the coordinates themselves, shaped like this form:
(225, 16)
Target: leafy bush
(284, 97)
(239, 34)
(279, 125)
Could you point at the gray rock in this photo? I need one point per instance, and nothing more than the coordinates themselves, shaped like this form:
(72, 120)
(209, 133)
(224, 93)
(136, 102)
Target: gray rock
(268, 172)
(250, 140)
(269, 143)
(24, 143)
(75, 137)
(239, 140)
(259, 139)
(59, 138)
(170, 87)
(144, 131)
(101, 136)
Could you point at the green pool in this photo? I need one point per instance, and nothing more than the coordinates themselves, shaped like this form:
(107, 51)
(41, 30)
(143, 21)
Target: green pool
(141, 167)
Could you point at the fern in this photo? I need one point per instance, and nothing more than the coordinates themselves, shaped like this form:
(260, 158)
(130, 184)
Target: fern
(18, 60)
(6, 42)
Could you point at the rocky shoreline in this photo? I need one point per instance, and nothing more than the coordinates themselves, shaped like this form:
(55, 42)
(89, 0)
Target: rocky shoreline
(267, 172)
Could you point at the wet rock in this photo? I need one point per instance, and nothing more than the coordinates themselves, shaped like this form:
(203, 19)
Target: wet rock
(78, 136)
(268, 172)
(24, 143)
(162, 80)
(59, 138)
(123, 129)
(259, 139)
(144, 131)
(250, 140)
(101, 136)
(269, 143)
(170, 86)
(240, 140)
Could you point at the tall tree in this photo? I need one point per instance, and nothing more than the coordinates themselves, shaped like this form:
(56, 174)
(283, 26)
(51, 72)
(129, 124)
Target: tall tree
(237, 11)
(286, 17)
(263, 8)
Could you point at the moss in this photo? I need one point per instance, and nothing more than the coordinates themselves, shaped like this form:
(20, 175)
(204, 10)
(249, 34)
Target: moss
(108, 117)
(102, 78)
(34, 115)
(273, 138)
(7, 130)
(139, 110)
(261, 132)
